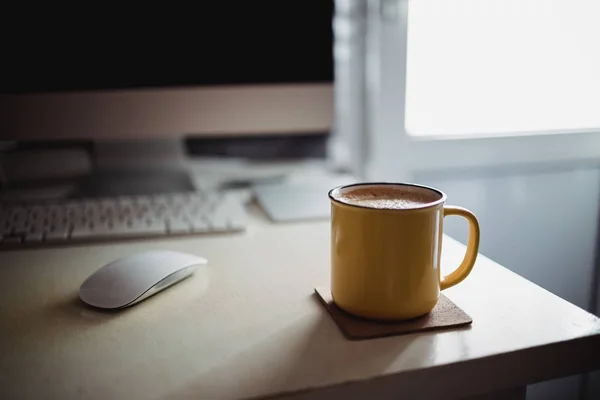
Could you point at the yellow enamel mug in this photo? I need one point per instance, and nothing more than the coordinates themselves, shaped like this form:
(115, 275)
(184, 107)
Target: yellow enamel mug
(386, 242)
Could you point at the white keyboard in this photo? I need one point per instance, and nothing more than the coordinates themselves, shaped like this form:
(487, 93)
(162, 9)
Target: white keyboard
(119, 218)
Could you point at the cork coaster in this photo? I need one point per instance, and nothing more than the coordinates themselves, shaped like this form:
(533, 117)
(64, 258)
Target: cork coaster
(446, 314)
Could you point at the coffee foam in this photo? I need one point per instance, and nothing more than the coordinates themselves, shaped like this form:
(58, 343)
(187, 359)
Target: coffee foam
(387, 196)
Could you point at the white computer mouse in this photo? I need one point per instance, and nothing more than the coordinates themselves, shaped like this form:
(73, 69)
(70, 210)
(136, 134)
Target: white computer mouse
(131, 279)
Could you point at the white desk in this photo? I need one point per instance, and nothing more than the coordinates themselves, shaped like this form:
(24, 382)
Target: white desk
(248, 325)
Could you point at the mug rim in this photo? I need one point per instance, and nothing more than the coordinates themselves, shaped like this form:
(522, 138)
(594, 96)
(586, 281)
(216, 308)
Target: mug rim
(435, 203)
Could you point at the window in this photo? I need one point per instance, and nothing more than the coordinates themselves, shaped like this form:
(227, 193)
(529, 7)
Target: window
(502, 67)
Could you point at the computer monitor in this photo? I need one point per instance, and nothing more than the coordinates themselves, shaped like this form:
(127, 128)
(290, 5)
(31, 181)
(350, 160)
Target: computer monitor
(218, 70)
(241, 68)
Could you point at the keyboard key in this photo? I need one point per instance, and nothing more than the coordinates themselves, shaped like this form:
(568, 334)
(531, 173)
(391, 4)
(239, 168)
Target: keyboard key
(18, 214)
(57, 231)
(82, 230)
(199, 225)
(178, 226)
(21, 227)
(34, 237)
(141, 228)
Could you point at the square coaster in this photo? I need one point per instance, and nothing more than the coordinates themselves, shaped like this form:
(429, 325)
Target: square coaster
(445, 314)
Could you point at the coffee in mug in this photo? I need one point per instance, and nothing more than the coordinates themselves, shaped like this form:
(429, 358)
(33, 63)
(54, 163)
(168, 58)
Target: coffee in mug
(386, 197)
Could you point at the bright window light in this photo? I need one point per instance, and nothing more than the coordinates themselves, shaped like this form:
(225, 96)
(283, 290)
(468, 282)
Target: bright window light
(498, 67)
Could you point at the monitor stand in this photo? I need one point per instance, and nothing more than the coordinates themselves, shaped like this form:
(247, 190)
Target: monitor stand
(127, 168)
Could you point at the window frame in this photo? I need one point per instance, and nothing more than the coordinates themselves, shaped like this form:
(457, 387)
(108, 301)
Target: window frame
(390, 152)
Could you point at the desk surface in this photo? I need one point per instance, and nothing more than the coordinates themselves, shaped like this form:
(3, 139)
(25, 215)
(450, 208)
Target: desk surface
(249, 325)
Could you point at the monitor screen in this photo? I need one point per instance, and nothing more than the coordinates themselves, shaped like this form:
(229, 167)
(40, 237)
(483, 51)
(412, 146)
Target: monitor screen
(230, 68)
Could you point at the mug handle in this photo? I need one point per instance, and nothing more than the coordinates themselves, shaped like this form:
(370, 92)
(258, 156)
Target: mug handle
(468, 261)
